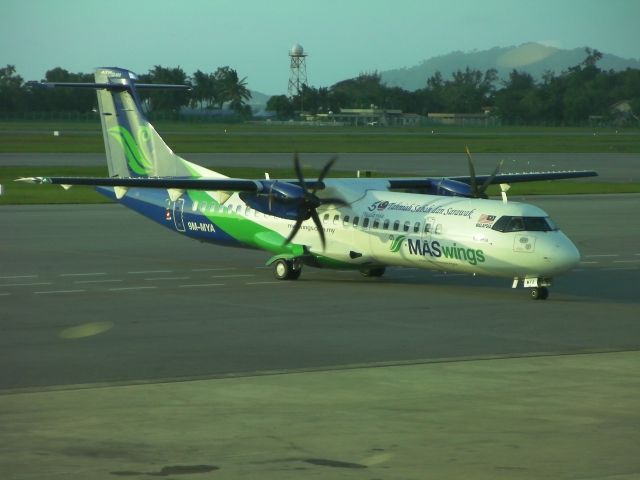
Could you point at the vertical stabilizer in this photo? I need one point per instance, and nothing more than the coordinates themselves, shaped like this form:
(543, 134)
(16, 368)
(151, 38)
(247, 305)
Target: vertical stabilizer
(133, 147)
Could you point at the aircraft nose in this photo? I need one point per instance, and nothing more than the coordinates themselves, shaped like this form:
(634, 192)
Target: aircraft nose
(563, 254)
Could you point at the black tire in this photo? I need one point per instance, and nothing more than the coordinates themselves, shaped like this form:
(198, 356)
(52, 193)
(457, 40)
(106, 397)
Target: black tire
(295, 274)
(373, 272)
(539, 293)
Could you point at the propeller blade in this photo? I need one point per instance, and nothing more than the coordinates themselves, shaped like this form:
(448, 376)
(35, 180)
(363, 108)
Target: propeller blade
(472, 175)
(316, 220)
(270, 195)
(294, 230)
(325, 170)
(490, 179)
(296, 166)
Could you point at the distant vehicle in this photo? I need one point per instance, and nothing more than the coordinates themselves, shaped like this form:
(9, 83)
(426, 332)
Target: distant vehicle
(364, 224)
(372, 124)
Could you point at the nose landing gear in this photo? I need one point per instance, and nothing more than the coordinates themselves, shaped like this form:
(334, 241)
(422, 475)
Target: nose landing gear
(539, 293)
(538, 287)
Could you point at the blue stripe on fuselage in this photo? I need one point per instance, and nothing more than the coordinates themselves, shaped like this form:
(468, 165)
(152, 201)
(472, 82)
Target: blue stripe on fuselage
(156, 205)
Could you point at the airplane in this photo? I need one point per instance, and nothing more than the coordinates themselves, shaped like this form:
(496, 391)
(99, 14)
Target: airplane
(445, 224)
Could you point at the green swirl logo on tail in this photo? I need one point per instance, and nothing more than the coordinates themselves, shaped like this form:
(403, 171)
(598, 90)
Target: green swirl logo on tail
(136, 158)
(397, 243)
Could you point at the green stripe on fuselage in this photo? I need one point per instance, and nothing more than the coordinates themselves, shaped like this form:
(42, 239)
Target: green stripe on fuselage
(244, 230)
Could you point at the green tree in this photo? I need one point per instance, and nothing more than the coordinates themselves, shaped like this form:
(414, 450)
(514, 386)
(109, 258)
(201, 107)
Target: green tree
(232, 89)
(360, 92)
(469, 90)
(12, 95)
(282, 106)
(64, 99)
(514, 102)
(164, 100)
(205, 90)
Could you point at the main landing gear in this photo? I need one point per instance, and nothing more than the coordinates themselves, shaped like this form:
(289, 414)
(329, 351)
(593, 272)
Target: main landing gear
(372, 272)
(284, 269)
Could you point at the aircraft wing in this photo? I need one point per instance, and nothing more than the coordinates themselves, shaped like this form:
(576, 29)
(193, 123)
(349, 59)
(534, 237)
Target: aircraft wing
(259, 186)
(417, 183)
(226, 184)
(529, 176)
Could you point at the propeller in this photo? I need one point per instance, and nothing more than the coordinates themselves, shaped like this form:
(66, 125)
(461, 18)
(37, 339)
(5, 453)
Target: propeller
(309, 202)
(479, 192)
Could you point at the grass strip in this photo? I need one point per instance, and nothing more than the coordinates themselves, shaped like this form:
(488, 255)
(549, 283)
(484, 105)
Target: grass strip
(79, 137)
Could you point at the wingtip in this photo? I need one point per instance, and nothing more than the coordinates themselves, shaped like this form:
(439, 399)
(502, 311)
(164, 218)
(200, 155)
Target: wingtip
(35, 180)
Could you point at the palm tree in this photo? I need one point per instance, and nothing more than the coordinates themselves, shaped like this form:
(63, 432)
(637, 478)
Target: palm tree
(234, 90)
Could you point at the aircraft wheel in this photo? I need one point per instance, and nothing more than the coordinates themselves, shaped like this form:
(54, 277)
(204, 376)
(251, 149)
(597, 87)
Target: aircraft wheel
(373, 272)
(539, 293)
(295, 273)
(285, 270)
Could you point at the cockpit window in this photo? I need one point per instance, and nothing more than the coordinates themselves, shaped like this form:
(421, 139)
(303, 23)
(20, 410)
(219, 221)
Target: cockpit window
(524, 224)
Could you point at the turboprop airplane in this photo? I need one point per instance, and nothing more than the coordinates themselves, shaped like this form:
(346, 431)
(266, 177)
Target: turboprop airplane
(365, 224)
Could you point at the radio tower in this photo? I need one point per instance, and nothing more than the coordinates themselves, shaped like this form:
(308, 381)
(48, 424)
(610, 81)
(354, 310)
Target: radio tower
(298, 75)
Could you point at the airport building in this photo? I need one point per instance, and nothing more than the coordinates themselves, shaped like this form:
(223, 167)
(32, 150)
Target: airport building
(368, 117)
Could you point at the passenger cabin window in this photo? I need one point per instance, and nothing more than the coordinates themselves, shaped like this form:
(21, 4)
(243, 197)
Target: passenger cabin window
(376, 223)
(385, 225)
(365, 222)
(416, 227)
(238, 209)
(427, 227)
(345, 221)
(438, 229)
(355, 221)
(325, 218)
(396, 225)
(405, 227)
(336, 219)
(509, 223)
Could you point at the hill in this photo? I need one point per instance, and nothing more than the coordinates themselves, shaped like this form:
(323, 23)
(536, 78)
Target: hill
(532, 58)
(258, 101)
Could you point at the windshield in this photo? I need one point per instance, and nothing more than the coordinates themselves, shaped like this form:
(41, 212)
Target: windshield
(524, 224)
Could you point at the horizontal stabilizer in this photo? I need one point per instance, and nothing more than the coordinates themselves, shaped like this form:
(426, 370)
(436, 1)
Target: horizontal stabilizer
(108, 86)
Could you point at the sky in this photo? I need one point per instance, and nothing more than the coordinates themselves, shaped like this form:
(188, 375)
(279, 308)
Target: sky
(342, 38)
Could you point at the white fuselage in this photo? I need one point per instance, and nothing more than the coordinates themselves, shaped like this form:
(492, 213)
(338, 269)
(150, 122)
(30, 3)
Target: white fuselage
(455, 234)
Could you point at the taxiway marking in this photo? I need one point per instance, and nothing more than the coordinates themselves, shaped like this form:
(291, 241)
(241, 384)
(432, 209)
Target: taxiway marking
(82, 274)
(53, 292)
(121, 289)
(144, 272)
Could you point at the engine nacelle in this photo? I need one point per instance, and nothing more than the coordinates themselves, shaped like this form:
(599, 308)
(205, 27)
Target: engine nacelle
(280, 199)
(450, 188)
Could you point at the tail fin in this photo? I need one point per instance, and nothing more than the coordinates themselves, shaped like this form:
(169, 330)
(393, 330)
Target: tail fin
(133, 147)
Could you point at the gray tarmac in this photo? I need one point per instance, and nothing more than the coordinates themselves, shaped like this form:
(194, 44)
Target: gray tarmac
(612, 167)
(176, 308)
(127, 350)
